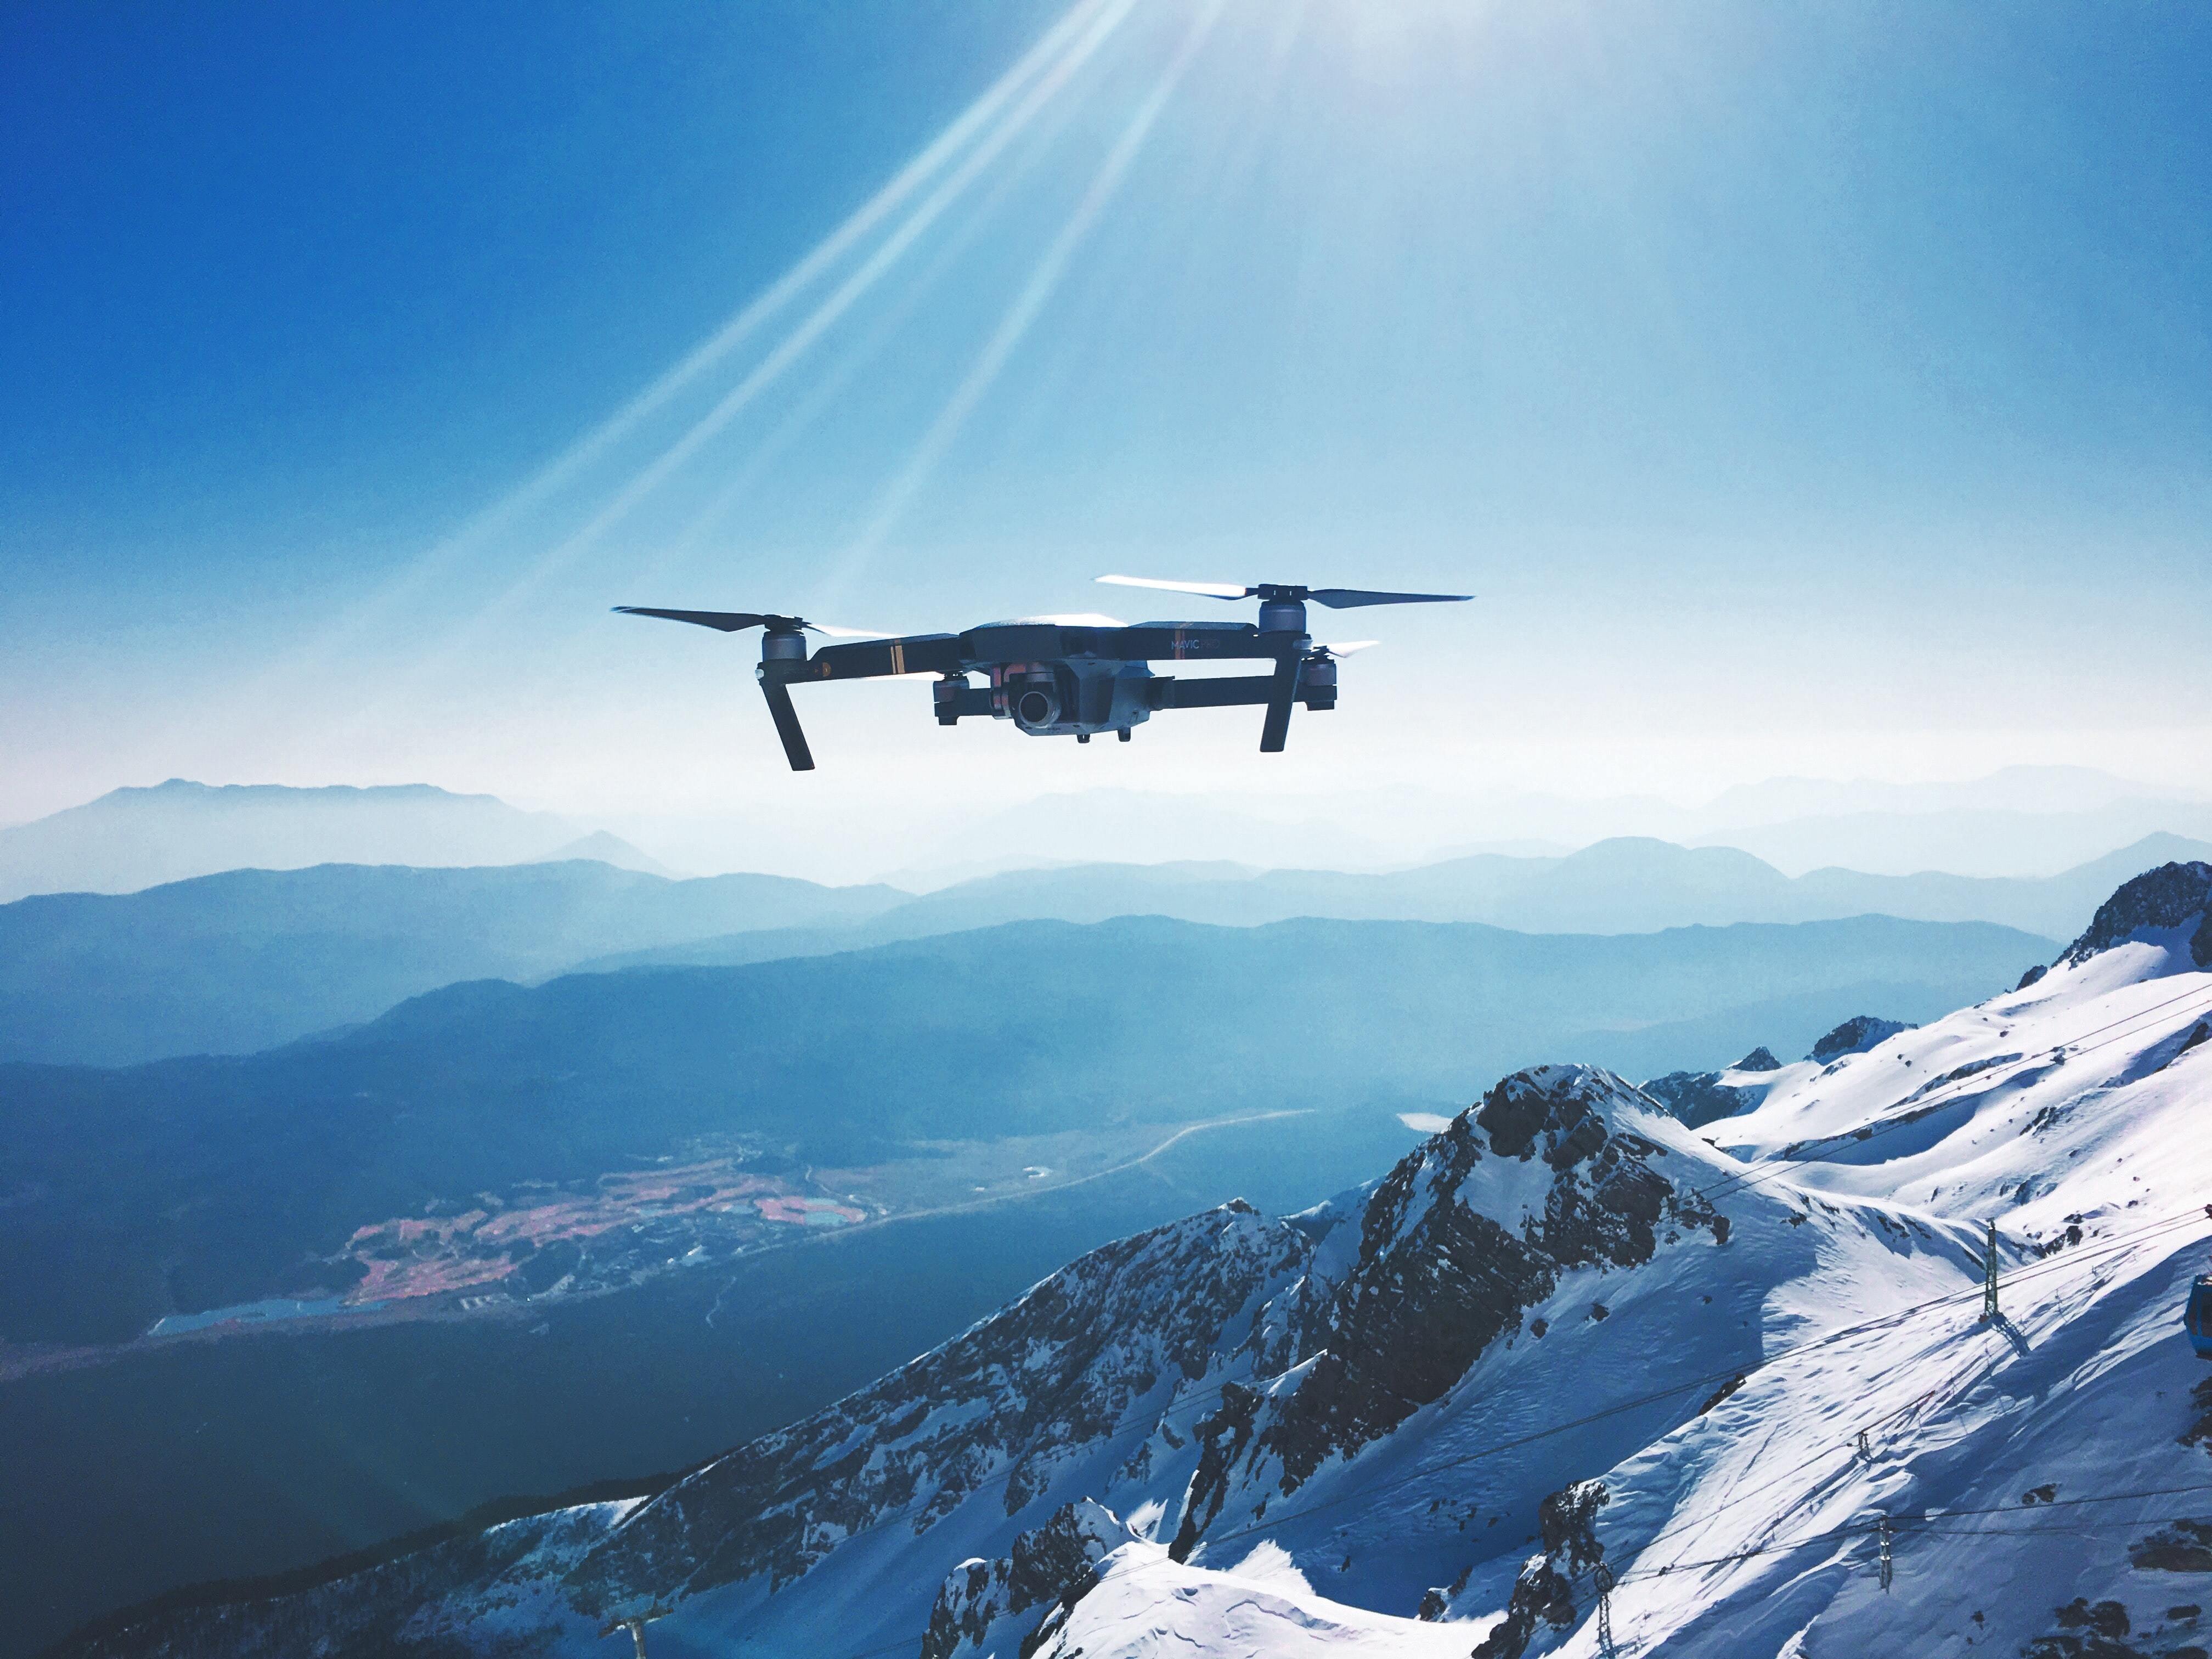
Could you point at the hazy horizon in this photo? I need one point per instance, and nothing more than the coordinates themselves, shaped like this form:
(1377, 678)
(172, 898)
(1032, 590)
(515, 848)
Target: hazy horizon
(2026, 822)
(1790, 391)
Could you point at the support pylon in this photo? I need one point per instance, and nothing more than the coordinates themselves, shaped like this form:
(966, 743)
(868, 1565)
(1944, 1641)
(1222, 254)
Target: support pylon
(1605, 1647)
(636, 1625)
(1886, 1566)
(1865, 1449)
(1989, 1277)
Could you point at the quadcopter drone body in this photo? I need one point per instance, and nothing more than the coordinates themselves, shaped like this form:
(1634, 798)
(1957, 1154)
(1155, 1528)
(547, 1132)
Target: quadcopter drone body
(1069, 675)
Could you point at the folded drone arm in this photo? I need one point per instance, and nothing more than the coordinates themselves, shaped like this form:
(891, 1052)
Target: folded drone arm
(776, 688)
(920, 653)
(1282, 691)
(913, 654)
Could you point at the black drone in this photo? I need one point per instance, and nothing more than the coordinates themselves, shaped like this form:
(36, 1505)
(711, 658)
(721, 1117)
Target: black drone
(1070, 676)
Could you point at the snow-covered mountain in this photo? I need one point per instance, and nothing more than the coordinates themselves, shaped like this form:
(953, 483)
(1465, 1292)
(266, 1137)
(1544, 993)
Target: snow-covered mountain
(1573, 1378)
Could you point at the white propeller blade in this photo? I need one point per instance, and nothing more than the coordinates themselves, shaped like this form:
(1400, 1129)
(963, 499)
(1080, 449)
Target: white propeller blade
(836, 633)
(1348, 647)
(1212, 590)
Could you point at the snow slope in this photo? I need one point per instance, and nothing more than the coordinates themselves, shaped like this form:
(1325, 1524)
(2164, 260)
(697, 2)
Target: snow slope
(1568, 1343)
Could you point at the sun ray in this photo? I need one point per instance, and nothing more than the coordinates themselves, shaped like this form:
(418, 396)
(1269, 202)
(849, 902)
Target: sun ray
(1031, 90)
(992, 120)
(830, 311)
(1044, 278)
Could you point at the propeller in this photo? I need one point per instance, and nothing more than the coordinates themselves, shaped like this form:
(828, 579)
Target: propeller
(1336, 598)
(731, 622)
(1345, 647)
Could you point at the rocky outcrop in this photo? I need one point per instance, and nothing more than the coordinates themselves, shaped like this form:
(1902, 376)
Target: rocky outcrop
(1544, 1591)
(1697, 1098)
(2173, 896)
(1854, 1036)
(2182, 1545)
(398, 1608)
(1005, 1404)
(981, 1606)
(1456, 1245)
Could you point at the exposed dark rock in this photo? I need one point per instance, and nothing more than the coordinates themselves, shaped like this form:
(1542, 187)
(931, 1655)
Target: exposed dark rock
(2198, 1433)
(1008, 1400)
(2090, 1645)
(379, 1612)
(1724, 1391)
(1697, 1098)
(1854, 1036)
(2031, 976)
(1438, 1279)
(2180, 1546)
(1050, 1569)
(1567, 1521)
(2171, 896)
(2106, 1618)
(1224, 1438)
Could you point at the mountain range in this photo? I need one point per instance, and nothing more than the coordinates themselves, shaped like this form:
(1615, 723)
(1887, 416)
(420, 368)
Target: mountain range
(1625, 885)
(1889, 1363)
(2022, 820)
(246, 960)
(134, 838)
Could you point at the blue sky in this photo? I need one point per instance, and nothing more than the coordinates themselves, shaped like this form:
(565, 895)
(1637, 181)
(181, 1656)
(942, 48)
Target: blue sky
(1824, 391)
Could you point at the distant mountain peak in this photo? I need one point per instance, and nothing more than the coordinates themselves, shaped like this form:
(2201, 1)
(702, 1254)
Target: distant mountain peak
(2173, 896)
(1856, 1036)
(602, 848)
(1697, 1098)
(179, 789)
(137, 837)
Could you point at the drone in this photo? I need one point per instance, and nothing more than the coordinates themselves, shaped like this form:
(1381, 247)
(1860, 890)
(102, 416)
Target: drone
(1070, 676)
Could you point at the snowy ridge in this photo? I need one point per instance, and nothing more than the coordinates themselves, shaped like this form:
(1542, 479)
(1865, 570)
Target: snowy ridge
(1568, 1343)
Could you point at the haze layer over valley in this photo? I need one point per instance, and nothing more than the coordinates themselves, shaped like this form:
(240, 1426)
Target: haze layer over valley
(246, 959)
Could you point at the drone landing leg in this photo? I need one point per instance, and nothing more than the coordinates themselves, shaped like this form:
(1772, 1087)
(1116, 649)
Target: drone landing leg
(787, 724)
(1281, 693)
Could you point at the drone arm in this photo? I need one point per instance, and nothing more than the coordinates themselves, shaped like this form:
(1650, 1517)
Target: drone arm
(1282, 692)
(915, 653)
(1168, 692)
(778, 693)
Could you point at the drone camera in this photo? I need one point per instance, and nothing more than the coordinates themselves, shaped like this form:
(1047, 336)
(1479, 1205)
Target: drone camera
(1033, 696)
